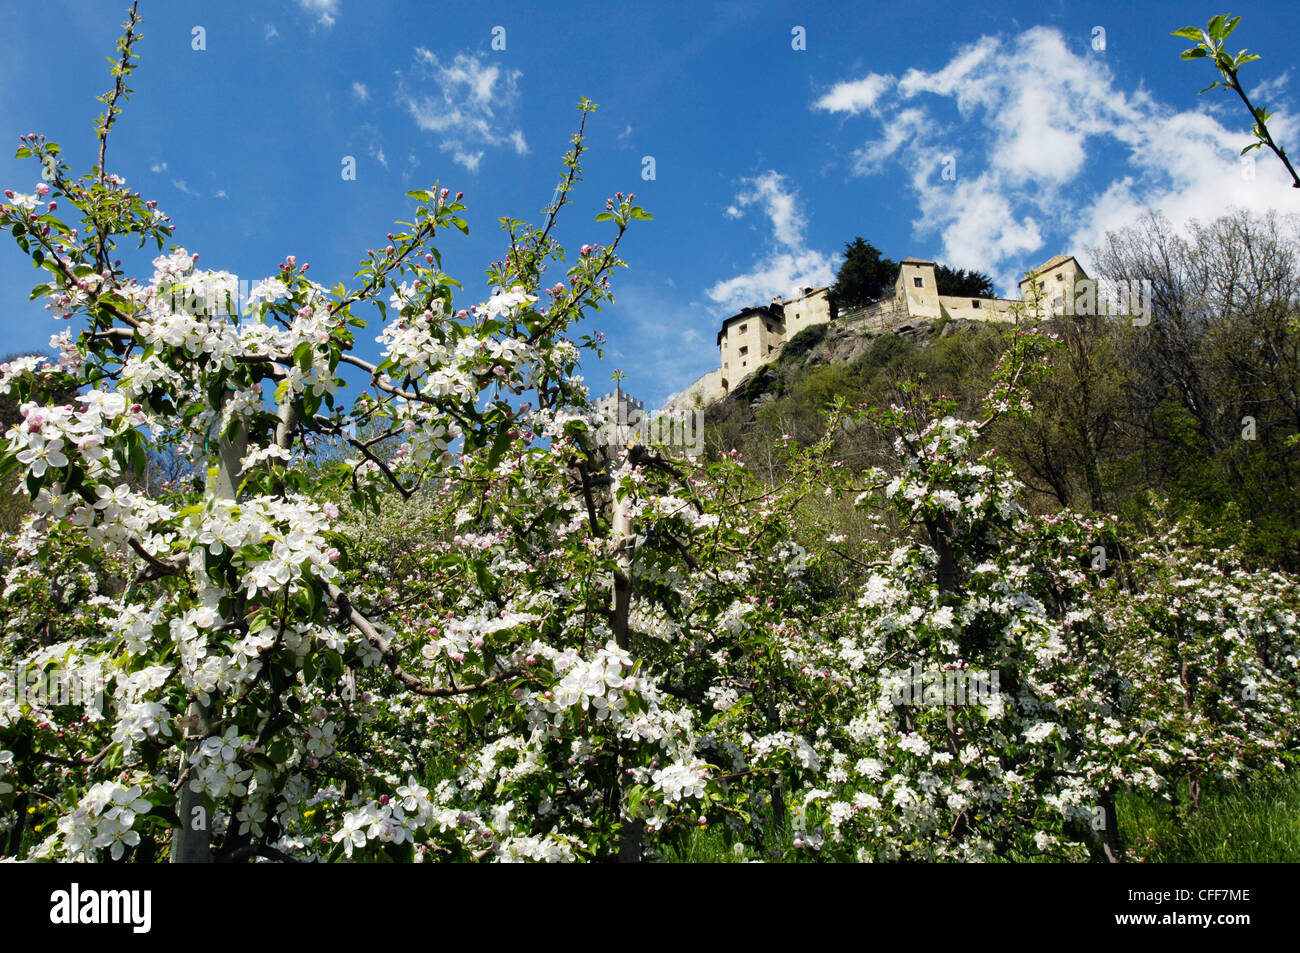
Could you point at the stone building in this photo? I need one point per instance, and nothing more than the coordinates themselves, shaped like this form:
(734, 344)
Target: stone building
(1056, 279)
(620, 408)
(755, 336)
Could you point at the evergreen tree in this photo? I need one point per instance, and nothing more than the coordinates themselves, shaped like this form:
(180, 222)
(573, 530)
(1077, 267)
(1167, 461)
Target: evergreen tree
(865, 277)
(960, 283)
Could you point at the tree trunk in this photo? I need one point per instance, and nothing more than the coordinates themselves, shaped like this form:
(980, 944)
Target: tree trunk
(629, 848)
(192, 840)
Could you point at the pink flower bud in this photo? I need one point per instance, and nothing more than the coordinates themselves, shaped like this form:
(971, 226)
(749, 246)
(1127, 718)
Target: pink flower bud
(289, 260)
(445, 193)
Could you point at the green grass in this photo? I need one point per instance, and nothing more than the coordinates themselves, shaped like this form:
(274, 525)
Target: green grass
(1245, 822)
(1250, 821)
(716, 845)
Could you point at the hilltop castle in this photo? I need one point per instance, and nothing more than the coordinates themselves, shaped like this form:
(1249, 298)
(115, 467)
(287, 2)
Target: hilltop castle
(755, 336)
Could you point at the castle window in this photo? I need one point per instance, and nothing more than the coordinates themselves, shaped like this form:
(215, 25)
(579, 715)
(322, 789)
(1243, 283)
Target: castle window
(1058, 278)
(742, 328)
(917, 282)
(744, 351)
(1058, 302)
(770, 349)
(974, 303)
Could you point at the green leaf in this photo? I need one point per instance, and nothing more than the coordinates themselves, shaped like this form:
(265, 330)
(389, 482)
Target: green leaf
(1190, 32)
(635, 795)
(1215, 28)
(499, 446)
(639, 212)
(605, 217)
(280, 751)
(1194, 54)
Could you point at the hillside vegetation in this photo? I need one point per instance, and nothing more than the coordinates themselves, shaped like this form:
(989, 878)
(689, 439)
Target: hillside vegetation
(1195, 413)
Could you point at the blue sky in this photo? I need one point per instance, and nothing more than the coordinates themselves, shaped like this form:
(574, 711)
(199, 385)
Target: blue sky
(767, 158)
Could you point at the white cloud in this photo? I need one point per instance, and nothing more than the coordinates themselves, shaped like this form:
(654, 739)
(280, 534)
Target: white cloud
(359, 90)
(1049, 147)
(158, 167)
(625, 135)
(469, 160)
(953, 79)
(182, 186)
(324, 11)
(374, 147)
(271, 32)
(979, 225)
(855, 96)
(1262, 93)
(412, 163)
(780, 205)
(905, 127)
(471, 104)
(220, 194)
(788, 264)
